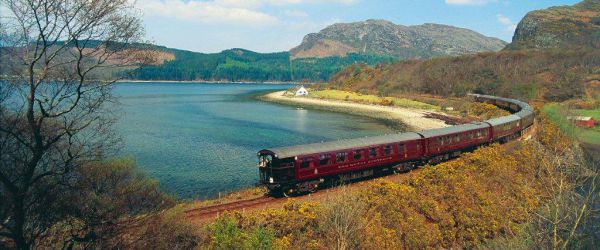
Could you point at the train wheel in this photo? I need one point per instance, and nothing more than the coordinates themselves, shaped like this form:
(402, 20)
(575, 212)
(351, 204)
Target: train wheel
(288, 192)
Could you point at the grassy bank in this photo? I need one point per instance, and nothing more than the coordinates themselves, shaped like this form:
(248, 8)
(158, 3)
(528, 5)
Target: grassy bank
(559, 114)
(341, 95)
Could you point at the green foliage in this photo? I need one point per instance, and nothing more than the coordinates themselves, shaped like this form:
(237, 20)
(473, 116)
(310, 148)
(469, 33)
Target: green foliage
(261, 238)
(558, 114)
(244, 65)
(227, 234)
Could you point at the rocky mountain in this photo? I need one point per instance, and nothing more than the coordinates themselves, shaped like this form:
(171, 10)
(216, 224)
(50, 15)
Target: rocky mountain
(554, 56)
(381, 37)
(560, 27)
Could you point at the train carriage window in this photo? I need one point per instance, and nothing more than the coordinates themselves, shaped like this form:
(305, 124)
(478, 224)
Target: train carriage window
(324, 159)
(372, 152)
(401, 148)
(305, 162)
(457, 138)
(357, 154)
(340, 157)
(387, 150)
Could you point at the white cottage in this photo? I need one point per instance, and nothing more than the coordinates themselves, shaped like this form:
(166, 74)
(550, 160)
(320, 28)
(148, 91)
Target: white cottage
(301, 91)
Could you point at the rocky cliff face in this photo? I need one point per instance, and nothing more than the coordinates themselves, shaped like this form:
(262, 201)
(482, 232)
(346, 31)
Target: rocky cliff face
(382, 37)
(560, 27)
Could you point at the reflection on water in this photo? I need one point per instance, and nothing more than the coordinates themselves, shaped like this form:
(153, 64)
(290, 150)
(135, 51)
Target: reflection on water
(201, 139)
(301, 124)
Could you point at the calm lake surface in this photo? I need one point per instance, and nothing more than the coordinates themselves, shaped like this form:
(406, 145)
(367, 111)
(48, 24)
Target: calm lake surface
(202, 139)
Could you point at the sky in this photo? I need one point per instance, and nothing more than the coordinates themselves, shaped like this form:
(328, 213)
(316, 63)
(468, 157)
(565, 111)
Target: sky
(278, 25)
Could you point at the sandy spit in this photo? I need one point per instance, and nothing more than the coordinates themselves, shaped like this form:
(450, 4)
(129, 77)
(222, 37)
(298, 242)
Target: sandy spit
(400, 118)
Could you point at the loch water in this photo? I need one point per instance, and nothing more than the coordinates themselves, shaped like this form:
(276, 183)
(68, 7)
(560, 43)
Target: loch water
(199, 139)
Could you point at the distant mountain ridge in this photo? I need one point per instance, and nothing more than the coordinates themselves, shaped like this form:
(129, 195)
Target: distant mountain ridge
(382, 37)
(560, 27)
(321, 54)
(554, 56)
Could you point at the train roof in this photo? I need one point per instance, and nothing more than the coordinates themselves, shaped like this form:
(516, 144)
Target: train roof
(503, 120)
(524, 112)
(521, 104)
(331, 146)
(453, 129)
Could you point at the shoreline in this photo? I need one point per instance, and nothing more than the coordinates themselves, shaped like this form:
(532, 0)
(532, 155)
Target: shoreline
(211, 82)
(405, 119)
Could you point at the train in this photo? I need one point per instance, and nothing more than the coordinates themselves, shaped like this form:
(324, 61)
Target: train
(300, 169)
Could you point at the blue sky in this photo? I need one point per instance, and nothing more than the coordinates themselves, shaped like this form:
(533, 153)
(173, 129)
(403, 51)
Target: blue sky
(278, 25)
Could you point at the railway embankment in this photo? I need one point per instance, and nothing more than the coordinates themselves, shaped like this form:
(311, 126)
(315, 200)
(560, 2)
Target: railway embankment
(495, 196)
(397, 117)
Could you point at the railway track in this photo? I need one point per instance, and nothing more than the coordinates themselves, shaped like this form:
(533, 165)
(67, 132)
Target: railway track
(209, 211)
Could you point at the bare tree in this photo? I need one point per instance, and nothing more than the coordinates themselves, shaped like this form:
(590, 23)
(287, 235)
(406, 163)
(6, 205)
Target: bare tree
(342, 222)
(54, 57)
(567, 218)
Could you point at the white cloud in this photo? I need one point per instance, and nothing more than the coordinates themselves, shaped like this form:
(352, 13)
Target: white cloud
(468, 2)
(236, 12)
(509, 25)
(256, 3)
(296, 14)
(206, 12)
(259, 25)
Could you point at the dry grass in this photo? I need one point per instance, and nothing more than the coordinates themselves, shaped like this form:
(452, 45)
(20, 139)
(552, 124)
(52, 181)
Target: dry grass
(372, 99)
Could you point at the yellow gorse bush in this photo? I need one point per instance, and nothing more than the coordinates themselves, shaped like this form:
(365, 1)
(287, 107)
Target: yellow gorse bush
(461, 203)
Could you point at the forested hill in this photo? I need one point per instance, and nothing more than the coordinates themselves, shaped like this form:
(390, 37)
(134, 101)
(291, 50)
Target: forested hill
(245, 65)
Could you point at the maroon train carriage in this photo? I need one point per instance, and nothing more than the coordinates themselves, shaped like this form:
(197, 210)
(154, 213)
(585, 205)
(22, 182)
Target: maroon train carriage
(445, 143)
(505, 128)
(302, 168)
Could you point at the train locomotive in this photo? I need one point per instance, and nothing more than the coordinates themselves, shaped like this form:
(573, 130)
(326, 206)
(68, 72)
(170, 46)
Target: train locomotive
(301, 169)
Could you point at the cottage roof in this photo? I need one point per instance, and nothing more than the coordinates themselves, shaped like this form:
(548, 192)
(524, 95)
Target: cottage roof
(579, 118)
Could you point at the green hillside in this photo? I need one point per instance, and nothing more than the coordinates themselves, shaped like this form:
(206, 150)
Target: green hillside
(245, 65)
